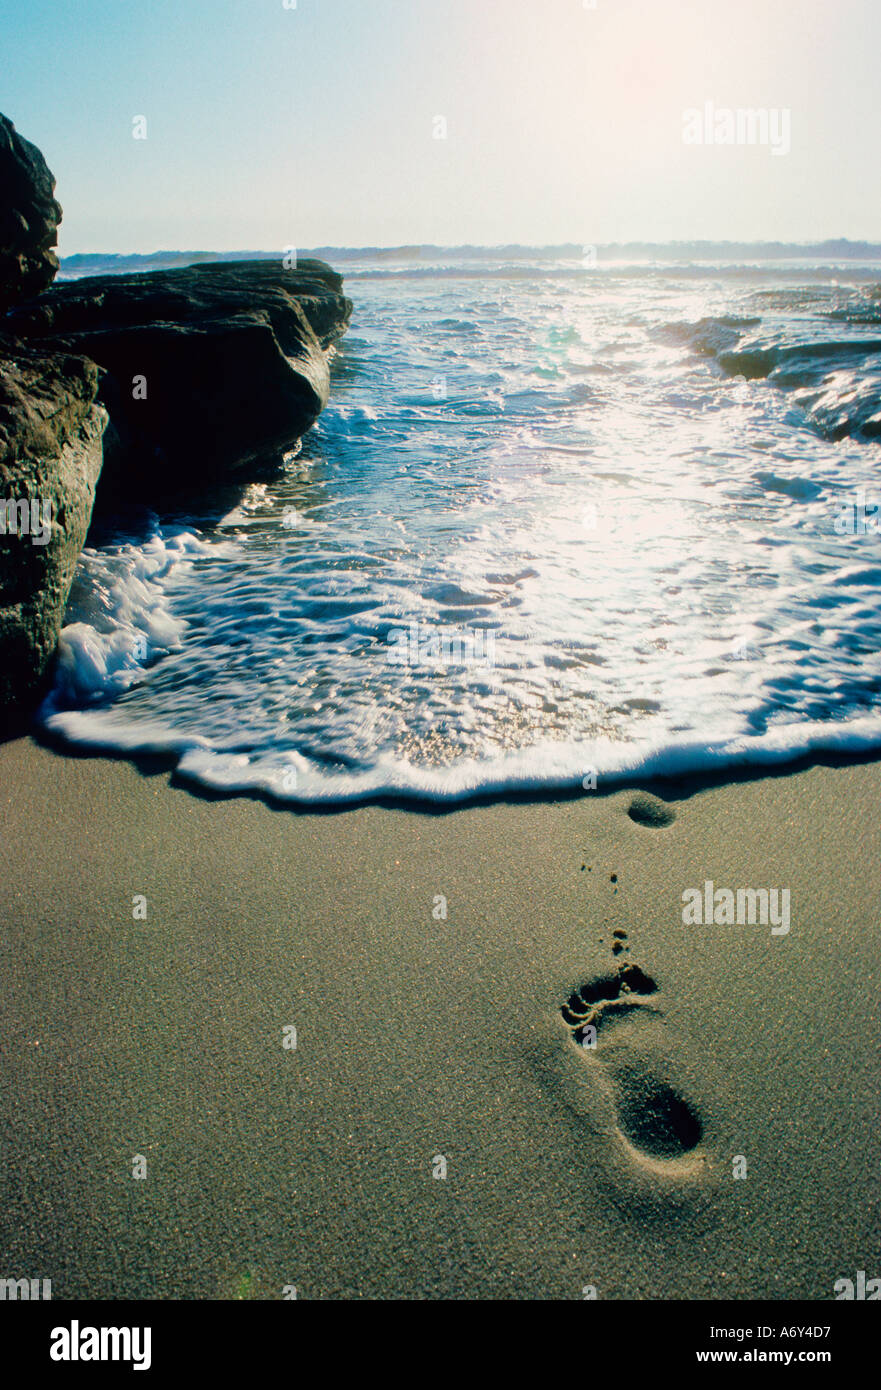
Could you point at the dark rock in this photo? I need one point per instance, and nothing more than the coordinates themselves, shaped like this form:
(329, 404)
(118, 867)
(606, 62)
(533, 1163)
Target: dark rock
(29, 217)
(212, 369)
(50, 454)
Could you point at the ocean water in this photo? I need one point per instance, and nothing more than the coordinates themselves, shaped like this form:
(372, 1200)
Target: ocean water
(559, 525)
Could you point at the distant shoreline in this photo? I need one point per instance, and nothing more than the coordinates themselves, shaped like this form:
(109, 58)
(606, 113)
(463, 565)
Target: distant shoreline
(673, 251)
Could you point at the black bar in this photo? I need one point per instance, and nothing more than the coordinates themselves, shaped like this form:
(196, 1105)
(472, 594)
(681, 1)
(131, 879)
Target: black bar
(244, 1337)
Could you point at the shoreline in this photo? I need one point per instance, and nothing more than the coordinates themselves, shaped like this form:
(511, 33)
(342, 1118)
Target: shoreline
(673, 786)
(421, 1037)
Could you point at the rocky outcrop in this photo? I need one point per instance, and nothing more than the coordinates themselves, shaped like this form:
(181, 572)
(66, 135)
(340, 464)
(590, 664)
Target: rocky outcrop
(50, 457)
(207, 373)
(29, 217)
(211, 371)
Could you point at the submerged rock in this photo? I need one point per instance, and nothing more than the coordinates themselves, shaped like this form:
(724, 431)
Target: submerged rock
(51, 430)
(212, 370)
(29, 217)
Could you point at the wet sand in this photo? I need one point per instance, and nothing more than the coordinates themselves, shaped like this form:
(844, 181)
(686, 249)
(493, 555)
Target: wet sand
(421, 1038)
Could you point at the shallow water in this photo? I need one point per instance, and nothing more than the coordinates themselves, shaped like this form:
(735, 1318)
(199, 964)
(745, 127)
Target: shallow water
(553, 528)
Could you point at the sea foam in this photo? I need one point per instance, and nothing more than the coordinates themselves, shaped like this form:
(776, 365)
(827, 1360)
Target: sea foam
(544, 537)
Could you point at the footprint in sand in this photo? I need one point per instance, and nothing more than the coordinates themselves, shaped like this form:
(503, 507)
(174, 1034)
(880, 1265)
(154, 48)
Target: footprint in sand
(650, 811)
(617, 1024)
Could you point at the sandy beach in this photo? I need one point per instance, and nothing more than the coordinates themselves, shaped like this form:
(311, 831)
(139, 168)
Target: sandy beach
(430, 1044)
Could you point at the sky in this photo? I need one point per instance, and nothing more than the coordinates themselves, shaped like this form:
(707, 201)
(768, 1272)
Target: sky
(272, 124)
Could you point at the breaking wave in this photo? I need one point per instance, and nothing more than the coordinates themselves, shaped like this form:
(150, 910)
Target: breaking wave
(553, 531)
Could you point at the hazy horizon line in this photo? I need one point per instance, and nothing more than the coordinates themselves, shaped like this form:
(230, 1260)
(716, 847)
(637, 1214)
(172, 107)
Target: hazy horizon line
(841, 245)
